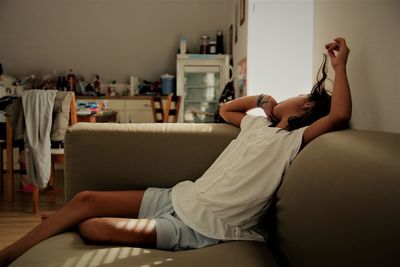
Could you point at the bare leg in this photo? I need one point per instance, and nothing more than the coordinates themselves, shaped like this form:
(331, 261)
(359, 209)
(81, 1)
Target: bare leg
(45, 216)
(83, 206)
(119, 231)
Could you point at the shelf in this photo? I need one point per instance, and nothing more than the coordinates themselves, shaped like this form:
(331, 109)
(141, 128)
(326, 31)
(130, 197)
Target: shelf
(200, 87)
(202, 101)
(200, 56)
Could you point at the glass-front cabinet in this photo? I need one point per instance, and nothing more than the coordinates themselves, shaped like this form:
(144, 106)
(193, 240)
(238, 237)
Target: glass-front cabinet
(200, 81)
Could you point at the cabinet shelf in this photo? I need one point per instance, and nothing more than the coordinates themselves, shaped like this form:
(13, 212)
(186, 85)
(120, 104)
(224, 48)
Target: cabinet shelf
(201, 87)
(202, 101)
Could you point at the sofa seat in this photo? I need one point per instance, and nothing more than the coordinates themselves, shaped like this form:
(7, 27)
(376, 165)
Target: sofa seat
(69, 249)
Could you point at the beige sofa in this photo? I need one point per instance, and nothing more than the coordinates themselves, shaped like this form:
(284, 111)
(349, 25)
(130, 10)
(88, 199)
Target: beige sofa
(339, 204)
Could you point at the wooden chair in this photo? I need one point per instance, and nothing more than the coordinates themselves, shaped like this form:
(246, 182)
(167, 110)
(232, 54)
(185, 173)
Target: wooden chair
(171, 108)
(57, 157)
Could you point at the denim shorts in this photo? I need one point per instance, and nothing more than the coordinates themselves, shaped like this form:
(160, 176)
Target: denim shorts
(172, 233)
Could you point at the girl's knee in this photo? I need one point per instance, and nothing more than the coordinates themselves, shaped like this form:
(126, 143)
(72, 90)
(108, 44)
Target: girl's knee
(84, 197)
(95, 230)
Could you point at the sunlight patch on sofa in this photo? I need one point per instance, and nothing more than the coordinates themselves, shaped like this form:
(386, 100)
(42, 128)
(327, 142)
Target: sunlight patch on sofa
(104, 256)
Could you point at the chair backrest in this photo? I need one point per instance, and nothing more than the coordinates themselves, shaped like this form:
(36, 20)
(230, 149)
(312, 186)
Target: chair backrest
(73, 116)
(172, 110)
(157, 108)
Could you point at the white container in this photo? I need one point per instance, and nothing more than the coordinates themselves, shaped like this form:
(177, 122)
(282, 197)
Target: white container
(183, 46)
(168, 84)
(133, 85)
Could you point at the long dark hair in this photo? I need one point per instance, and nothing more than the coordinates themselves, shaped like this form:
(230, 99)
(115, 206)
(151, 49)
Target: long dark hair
(321, 98)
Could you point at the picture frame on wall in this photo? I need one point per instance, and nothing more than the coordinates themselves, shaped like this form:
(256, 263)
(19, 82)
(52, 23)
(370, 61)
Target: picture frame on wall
(236, 21)
(242, 11)
(230, 39)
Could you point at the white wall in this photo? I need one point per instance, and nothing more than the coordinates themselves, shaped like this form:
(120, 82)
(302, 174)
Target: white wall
(112, 38)
(372, 30)
(280, 43)
(240, 47)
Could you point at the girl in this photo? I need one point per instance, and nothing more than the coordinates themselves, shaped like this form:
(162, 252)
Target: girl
(228, 200)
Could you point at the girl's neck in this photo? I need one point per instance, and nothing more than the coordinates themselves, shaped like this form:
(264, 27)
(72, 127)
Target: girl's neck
(283, 123)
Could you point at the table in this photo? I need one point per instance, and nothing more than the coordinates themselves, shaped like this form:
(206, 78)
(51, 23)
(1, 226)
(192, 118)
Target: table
(99, 117)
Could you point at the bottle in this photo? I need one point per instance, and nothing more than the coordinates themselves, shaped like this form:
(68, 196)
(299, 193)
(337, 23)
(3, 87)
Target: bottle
(183, 46)
(113, 88)
(96, 84)
(71, 81)
(59, 83)
(64, 83)
(220, 42)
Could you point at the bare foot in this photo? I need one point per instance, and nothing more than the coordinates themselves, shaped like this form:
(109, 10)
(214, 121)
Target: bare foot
(5, 258)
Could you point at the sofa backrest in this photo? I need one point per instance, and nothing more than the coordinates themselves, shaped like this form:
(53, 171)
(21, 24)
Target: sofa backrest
(111, 156)
(339, 203)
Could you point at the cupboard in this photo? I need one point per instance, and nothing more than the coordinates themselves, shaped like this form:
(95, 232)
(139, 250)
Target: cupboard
(200, 81)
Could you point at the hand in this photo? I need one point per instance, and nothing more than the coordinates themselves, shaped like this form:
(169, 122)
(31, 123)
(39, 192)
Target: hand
(268, 105)
(338, 52)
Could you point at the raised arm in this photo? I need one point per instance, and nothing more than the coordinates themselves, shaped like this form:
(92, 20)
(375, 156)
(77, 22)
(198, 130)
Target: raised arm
(234, 111)
(340, 111)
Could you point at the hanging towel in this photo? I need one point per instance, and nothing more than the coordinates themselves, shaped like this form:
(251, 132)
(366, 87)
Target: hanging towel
(38, 109)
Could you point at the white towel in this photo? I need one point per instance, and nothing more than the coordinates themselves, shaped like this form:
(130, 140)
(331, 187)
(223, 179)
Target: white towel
(38, 110)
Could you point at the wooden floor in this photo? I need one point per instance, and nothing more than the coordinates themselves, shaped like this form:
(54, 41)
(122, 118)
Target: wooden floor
(17, 218)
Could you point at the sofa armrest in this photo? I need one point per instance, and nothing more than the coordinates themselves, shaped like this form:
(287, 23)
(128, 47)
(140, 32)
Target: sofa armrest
(339, 202)
(107, 156)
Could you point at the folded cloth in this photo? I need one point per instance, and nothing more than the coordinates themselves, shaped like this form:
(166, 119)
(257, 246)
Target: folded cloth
(38, 109)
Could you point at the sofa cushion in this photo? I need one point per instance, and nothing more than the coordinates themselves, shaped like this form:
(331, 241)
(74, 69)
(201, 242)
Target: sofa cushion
(68, 249)
(339, 202)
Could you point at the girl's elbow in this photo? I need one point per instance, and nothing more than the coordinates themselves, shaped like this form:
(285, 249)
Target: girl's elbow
(345, 117)
(341, 120)
(222, 110)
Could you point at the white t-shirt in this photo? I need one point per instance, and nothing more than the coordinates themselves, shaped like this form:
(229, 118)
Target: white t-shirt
(227, 201)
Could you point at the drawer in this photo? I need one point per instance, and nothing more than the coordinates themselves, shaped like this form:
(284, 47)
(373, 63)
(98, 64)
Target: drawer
(139, 116)
(140, 104)
(116, 104)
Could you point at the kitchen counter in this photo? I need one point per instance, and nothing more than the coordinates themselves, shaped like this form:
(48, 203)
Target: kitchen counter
(135, 109)
(136, 97)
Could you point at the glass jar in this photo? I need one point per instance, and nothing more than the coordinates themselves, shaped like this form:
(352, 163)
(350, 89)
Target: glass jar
(204, 44)
(212, 47)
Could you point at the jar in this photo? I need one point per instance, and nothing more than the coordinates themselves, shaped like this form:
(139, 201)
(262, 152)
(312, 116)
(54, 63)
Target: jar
(204, 44)
(212, 47)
